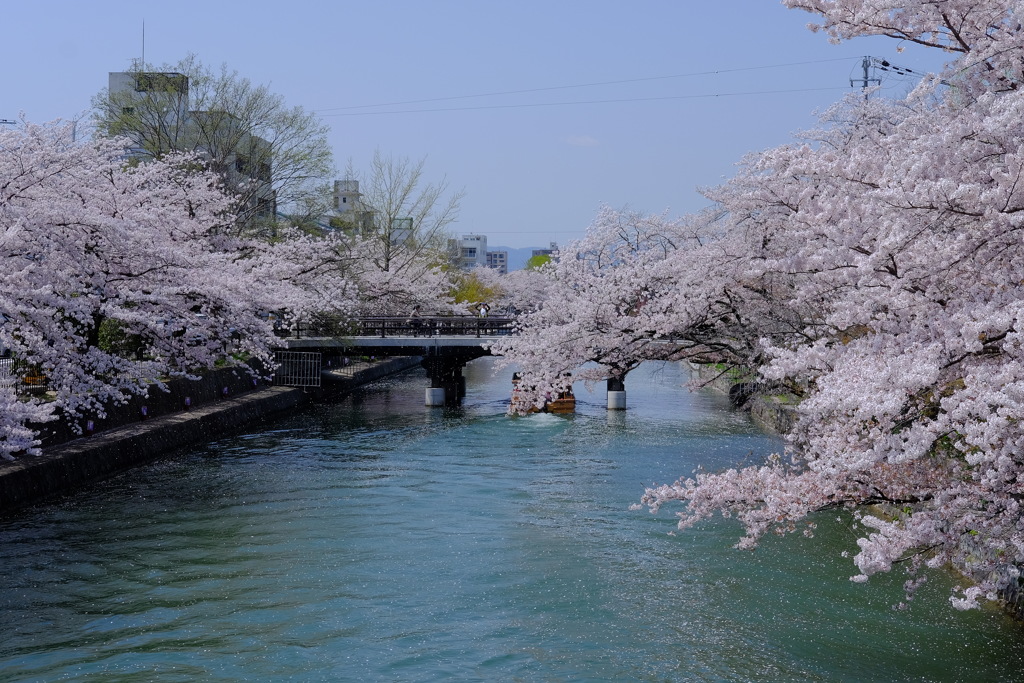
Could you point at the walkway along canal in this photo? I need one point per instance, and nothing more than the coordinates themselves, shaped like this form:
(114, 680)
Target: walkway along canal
(376, 539)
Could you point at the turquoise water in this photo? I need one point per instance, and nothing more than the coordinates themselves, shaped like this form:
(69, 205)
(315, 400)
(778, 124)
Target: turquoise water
(375, 539)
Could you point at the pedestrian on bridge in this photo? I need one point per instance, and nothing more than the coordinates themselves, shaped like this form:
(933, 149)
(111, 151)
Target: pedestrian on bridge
(414, 320)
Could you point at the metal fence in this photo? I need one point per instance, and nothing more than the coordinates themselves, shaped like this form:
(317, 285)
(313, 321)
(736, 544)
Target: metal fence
(297, 369)
(345, 366)
(401, 326)
(8, 376)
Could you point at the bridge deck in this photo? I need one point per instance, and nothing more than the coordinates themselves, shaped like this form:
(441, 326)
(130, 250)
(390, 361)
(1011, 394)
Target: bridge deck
(398, 336)
(395, 342)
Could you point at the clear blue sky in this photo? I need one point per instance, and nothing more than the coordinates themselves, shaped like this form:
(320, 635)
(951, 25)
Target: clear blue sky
(542, 110)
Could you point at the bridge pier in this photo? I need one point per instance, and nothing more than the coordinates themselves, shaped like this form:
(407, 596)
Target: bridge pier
(456, 341)
(447, 384)
(616, 393)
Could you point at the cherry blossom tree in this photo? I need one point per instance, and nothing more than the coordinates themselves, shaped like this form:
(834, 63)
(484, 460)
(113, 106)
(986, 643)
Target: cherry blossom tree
(91, 242)
(525, 289)
(874, 267)
(414, 277)
(900, 225)
(639, 288)
(504, 293)
(521, 290)
(985, 33)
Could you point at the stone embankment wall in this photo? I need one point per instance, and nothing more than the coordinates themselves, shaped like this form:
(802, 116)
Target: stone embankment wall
(1008, 575)
(181, 395)
(221, 403)
(774, 411)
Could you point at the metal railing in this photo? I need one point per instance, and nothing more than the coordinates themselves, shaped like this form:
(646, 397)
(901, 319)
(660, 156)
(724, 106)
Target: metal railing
(8, 376)
(21, 377)
(399, 326)
(297, 369)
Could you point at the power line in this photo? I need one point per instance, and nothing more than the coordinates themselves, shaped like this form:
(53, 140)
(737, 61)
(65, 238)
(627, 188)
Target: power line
(558, 104)
(582, 85)
(870, 65)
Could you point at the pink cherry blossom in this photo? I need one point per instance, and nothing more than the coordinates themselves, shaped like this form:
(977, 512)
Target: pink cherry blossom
(875, 269)
(88, 240)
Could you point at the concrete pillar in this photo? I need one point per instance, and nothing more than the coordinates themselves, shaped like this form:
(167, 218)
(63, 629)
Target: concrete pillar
(616, 394)
(447, 384)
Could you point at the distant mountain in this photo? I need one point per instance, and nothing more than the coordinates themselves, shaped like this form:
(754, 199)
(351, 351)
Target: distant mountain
(517, 258)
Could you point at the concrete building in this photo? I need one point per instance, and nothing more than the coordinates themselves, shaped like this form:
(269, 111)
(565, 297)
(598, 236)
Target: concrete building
(354, 215)
(401, 230)
(350, 213)
(148, 105)
(546, 252)
(498, 260)
(473, 252)
(152, 109)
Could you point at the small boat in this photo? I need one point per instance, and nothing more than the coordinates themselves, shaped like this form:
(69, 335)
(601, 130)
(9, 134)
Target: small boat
(564, 402)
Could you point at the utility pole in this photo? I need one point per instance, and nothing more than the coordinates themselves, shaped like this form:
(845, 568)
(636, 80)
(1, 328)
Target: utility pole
(869, 63)
(866, 79)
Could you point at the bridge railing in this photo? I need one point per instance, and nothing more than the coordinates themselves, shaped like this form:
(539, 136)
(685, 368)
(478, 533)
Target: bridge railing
(401, 326)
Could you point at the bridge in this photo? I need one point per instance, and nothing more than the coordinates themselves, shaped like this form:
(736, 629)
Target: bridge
(444, 343)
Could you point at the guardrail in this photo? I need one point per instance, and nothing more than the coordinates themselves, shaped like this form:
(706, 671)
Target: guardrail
(8, 378)
(21, 377)
(399, 326)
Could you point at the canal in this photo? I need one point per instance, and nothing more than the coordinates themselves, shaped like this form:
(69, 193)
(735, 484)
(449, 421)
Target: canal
(375, 539)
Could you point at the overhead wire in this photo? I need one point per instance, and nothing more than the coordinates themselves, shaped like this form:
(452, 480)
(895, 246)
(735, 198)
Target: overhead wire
(557, 104)
(347, 110)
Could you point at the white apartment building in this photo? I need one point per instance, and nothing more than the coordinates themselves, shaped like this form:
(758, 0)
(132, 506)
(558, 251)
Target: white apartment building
(153, 111)
(473, 252)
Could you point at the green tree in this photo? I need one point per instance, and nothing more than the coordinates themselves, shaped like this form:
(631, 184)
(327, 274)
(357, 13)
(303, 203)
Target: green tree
(269, 154)
(408, 214)
(471, 288)
(538, 261)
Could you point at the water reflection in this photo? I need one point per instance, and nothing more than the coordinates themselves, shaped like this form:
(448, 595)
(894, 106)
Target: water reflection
(379, 539)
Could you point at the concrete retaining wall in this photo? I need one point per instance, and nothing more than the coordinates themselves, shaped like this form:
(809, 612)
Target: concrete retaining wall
(773, 412)
(776, 412)
(125, 439)
(214, 386)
